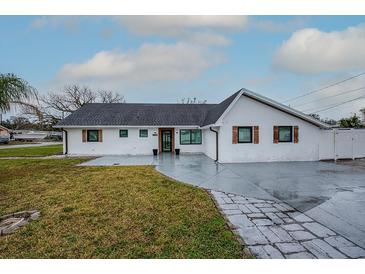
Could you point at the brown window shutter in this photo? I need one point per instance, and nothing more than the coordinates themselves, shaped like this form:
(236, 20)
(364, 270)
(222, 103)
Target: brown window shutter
(256, 135)
(296, 133)
(234, 135)
(84, 135)
(276, 135)
(100, 135)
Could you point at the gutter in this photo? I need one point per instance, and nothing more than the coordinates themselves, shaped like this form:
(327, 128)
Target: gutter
(216, 143)
(66, 140)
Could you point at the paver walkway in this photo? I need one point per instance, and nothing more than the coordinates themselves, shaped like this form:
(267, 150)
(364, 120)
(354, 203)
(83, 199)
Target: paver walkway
(273, 229)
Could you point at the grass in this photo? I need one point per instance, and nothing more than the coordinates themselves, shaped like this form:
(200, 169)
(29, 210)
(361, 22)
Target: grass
(31, 151)
(109, 212)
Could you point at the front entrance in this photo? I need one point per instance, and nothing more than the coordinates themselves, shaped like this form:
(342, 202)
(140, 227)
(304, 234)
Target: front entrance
(166, 139)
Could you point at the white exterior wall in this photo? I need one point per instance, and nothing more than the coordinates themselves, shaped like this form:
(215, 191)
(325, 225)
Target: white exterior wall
(248, 112)
(210, 142)
(112, 144)
(326, 145)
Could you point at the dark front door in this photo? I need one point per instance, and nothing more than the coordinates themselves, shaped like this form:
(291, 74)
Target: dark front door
(166, 141)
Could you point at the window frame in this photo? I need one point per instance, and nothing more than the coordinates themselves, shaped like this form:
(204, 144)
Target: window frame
(88, 135)
(251, 135)
(120, 133)
(190, 136)
(291, 134)
(140, 131)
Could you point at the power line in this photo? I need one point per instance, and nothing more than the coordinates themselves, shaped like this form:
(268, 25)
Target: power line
(331, 96)
(336, 105)
(326, 87)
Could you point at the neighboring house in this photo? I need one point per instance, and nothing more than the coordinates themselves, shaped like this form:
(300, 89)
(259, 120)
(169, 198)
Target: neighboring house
(246, 127)
(4, 134)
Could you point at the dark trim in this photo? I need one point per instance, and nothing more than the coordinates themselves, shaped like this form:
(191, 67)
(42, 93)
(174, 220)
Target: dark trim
(291, 134)
(191, 129)
(244, 142)
(162, 142)
(66, 141)
(216, 143)
(87, 135)
(140, 133)
(120, 131)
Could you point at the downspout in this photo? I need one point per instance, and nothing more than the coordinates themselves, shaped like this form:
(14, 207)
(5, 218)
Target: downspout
(216, 143)
(66, 141)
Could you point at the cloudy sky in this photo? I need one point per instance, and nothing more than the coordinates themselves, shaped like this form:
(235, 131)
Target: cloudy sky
(166, 58)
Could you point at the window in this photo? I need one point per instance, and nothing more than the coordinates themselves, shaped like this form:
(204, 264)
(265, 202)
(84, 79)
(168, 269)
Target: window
(123, 133)
(285, 134)
(190, 136)
(184, 137)
(143, 133)
(93, 136)
(244, 134)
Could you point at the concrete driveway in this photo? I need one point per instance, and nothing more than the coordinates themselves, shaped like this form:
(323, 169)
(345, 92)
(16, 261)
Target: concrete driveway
(331, 194)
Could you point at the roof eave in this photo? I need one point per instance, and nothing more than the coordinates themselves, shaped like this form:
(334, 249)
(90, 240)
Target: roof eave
(286, 109)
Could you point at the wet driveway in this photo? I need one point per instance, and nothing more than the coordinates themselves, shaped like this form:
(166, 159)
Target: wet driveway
(331, 194)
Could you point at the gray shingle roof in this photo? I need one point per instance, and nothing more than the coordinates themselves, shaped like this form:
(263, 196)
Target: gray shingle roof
(125, 114)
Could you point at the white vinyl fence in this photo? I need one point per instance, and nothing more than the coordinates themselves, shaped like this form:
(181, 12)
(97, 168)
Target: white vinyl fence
(342, 143)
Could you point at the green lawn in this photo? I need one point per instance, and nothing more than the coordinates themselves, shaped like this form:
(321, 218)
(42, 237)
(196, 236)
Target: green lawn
(109, 212)
(31, 151)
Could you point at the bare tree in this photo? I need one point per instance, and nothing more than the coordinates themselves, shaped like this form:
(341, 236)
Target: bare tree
(193, 100)
(73, 97)
(106, 96)
(69, 99)
(53, 106)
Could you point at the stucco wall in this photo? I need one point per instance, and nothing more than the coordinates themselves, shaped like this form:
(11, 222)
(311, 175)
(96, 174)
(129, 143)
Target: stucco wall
(209, 143)
(133, 145)
(248, 112)
(112, 143)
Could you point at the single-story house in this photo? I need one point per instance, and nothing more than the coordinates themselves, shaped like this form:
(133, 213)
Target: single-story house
(245, 127)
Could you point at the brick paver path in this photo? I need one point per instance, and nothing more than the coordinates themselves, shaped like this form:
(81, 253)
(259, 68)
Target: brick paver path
(273, 229)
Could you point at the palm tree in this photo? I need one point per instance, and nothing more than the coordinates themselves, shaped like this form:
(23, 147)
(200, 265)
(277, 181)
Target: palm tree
(14, 90)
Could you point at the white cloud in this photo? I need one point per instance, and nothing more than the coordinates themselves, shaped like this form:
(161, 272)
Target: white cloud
(197, 29)
(313, 51)
(150, 62)
(177, 25)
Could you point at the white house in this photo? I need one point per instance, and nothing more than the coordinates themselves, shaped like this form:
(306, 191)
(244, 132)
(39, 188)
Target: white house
(246, 127)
